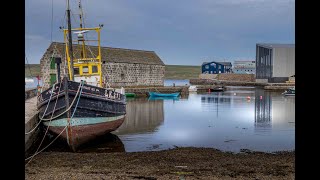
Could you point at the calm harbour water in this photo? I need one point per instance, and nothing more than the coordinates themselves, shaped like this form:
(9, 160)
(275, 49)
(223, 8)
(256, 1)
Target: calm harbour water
(227, 120)
(238, 118)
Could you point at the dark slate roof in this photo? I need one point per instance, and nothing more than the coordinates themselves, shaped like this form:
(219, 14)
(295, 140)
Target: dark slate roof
(214, 62)
(225, 63)
(274, 45)
(118, 55)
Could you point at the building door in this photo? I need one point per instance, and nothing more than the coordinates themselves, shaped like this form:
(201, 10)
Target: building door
(53, 79)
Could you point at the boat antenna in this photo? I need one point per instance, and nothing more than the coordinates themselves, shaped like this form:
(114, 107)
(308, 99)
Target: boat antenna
(81, 14)
(83, 52)
(70, 41)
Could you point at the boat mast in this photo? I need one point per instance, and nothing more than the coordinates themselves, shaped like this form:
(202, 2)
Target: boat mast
(70, 42)
(83, 54)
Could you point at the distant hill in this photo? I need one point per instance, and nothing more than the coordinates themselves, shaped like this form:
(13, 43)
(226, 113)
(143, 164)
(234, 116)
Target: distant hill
(182, 72)
(31, 70)
(172, 71)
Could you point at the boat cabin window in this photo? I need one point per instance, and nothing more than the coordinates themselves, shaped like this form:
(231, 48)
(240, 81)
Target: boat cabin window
(85, 69)
(94, 69)
(76, 71)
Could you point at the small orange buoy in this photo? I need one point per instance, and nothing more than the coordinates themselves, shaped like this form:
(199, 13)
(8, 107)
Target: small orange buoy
(248, 97)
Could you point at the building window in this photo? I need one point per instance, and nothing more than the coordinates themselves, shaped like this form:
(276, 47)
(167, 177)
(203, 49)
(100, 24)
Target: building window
(76, 71)
(213, 64)
(52, 63)
(85, 69)
(53, 79)
(122, 76)
(94, 69)
(207, 66)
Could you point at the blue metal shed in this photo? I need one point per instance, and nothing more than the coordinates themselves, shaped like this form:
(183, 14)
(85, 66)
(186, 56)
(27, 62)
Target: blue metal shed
(212, 68)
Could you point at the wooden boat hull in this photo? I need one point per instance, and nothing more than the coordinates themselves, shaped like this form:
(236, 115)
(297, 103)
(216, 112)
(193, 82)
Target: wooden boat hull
(155, 94)
(98, 111)
(82, 130)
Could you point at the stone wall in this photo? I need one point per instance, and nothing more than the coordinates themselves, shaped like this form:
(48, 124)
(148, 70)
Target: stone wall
(125, 74)
(236, 77)
(208, 76)
(30, 93)
(117, 74)
(45, 66)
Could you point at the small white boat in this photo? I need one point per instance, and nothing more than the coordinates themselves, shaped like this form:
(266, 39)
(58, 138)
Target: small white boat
(290, 92)
(28, 80)
(193, 89)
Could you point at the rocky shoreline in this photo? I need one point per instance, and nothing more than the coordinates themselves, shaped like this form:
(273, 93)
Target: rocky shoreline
(177, 163)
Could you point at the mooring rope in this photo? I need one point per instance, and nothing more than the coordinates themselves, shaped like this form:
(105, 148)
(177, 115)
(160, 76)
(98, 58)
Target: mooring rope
(26, 133)
(37, 152)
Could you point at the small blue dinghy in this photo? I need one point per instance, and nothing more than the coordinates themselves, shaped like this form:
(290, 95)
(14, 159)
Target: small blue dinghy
(156, 94)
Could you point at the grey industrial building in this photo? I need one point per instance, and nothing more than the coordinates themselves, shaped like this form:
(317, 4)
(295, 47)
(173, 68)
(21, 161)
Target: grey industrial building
(274, 62)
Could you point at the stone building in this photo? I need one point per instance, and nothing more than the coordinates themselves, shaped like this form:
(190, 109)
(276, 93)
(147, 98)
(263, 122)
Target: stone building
(120, 67)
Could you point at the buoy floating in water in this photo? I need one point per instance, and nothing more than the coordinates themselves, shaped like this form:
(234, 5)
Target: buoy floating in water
(248, 97)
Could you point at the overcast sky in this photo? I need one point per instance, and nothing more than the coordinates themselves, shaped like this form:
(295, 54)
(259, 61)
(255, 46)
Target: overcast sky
(186, 32)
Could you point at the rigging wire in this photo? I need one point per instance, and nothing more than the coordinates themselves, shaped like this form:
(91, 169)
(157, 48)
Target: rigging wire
(28, 64)
(51, 18)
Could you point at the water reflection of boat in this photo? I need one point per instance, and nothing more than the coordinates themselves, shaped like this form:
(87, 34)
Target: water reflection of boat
(142, 116)
(290, 92)
(162, 98)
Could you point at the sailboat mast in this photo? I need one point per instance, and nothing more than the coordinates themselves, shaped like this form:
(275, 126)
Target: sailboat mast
(70, 42)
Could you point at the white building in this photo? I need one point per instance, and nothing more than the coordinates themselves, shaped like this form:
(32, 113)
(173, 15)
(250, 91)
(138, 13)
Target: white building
(244, 67)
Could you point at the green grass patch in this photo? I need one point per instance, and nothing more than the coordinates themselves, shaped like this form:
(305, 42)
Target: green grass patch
(182, 72)
(31, 70)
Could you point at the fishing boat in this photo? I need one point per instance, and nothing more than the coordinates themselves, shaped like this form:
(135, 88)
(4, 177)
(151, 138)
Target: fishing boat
(78, 107)
(290, 92)
(217, 89)
(156, 94)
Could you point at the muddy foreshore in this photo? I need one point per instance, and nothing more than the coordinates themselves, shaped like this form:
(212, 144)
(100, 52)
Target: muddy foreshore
(178, 163)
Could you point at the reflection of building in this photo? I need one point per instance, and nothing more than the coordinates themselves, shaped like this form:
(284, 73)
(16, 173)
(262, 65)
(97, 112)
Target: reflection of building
(273, 110)
(212, 103)
(262, 109)
(142, 116)
(215, 99)
(283, 112)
